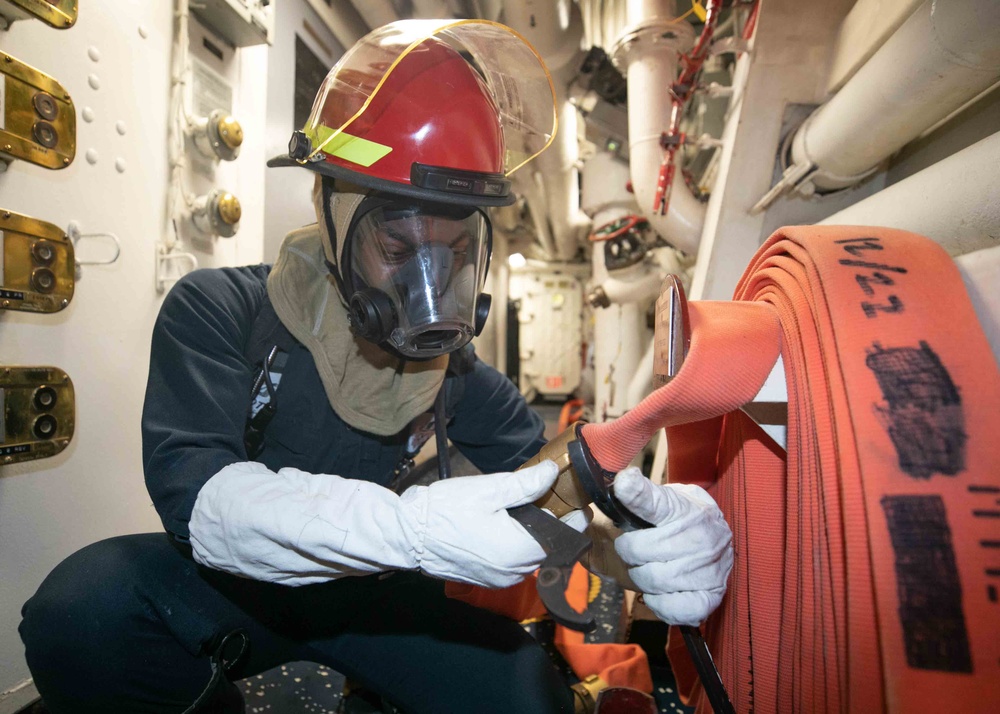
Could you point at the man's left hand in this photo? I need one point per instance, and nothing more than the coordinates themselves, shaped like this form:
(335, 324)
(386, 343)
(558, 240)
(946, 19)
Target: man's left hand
(682, 563)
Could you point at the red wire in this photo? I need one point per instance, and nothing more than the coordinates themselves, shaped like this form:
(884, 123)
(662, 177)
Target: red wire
(681, 92)
(751, 24)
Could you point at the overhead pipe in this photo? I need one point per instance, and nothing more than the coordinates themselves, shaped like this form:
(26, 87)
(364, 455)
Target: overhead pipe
(376, 13)
(638, 283)
(620, 330)
(953, 202)
(943, 55)
(981, 274)
(641, 383)
(432, 9)
(647, 52)
(343, 21)
(554, 29)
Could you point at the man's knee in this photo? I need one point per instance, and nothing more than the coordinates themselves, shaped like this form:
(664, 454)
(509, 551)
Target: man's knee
(77, 619)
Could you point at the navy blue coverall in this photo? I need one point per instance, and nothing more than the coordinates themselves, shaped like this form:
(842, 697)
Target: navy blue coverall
(125, 624)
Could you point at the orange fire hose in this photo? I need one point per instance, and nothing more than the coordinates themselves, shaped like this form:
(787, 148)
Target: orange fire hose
(867, 566)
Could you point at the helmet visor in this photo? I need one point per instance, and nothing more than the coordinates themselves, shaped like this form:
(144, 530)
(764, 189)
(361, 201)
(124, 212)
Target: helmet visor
(430, 261)
(512, 70)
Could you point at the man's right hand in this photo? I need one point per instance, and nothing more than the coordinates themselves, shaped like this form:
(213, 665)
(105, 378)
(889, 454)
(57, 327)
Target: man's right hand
(460, 529)
(298, 528)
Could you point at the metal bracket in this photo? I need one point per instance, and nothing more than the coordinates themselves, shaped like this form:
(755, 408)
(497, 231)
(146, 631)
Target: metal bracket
(75, 236)
(166, 256)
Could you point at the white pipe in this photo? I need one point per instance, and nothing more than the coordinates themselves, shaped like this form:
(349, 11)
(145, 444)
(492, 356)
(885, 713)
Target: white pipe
(955, 202)
(555, 29)
(981, 273)
(344, 22)
(605, 178)
(943, 55)
(638, 286)
(619, 330)
(433, 9)
(648, 51)
(376, 13)
(865, 28)
(641, 383)
(619, 337)
(561, 187)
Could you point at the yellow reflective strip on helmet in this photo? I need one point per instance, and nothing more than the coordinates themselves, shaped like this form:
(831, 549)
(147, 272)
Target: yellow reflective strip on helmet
(347, 146)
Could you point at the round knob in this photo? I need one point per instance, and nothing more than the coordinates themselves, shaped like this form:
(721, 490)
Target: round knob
(43, 280)
(230, 132)
(229, 209)
(43, 252)
(45, 426)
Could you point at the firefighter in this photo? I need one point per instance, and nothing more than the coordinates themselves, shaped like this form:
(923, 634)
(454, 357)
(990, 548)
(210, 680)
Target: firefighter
(284, 400)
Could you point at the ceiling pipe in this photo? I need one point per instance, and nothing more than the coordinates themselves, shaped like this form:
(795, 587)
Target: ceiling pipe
(433, 9)
(647, 52)
(554, 29)
(981, 274)
(953, 202)
(619, 330)
(376, 13)
(943, 55)
(343, 21)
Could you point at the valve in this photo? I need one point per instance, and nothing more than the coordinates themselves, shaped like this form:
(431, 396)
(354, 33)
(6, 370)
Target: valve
(217, 214)
(218, 136)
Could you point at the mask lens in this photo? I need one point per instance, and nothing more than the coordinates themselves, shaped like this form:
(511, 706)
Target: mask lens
(430, 261)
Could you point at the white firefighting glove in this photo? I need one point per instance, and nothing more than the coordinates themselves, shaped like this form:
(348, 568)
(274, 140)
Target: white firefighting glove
(682, 563)
(298, 528)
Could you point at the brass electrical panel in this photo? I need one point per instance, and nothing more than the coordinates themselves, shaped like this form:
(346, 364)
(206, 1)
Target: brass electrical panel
(37, 413)
(61, 14)
(37, 116)
(37, 265)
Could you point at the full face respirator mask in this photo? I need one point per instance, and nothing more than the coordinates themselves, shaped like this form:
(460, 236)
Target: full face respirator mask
(412, 273)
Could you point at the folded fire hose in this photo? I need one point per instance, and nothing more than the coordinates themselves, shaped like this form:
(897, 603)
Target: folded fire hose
(868, 559)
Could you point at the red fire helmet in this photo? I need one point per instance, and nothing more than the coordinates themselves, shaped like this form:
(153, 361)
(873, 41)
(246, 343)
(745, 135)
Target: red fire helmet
(441, 111)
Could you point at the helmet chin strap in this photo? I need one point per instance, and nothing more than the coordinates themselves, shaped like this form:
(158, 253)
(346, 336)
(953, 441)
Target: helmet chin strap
(328, 189)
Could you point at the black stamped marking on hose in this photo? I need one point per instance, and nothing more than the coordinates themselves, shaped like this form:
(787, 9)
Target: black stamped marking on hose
(922, 411)
(875, 282)
(927, 584)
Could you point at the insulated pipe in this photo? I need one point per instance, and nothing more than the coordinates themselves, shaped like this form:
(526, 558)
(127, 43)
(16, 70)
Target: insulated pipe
(376, 13)
(554, 29)
(647, 53)
(943, 55)
(641, 383)
(344, 21)
(954, 202)
(619, 330)
(561, 185)
(636, 284)
(433, 9)
(981, 275)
